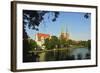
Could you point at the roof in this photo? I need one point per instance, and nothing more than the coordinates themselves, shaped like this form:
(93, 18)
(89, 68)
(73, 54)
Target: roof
(42, 35)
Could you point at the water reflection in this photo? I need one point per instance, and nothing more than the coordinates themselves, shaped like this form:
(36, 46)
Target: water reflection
(81, 53)
(60, 55)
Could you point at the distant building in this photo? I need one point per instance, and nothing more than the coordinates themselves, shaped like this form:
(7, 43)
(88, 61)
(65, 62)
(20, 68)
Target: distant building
(64, 34)
(40, 37)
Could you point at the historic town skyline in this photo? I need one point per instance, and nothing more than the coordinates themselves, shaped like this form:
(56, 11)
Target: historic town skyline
(73, 22)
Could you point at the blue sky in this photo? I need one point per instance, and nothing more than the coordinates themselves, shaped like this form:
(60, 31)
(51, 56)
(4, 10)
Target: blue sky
(78, 27)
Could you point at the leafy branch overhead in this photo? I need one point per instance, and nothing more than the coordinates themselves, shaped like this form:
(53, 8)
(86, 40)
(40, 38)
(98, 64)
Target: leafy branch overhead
(36, 17)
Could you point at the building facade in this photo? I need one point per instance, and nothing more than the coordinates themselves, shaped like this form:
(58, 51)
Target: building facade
(40, 37)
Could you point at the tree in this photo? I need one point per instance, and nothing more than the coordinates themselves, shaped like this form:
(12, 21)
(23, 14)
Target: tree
(26, 49)
(89, 44)
(70, 42)
(51, 43)
(87, 15)
(55, 41)
(47, 43)
(83, 43)
(32, 44)
(34, 18)
(63, 43)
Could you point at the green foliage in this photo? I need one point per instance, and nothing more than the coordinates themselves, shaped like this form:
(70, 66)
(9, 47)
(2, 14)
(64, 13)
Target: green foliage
(51, 43)
(85, 43)
(54, 42)
(63, 43)
(32, 44)
(47, 43)
(70, 42)
(89, 44)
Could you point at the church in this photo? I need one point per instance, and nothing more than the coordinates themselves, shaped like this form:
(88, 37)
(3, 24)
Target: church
(64, 35)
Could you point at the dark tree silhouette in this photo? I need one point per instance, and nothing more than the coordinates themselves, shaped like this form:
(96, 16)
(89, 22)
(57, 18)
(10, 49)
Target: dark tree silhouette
(34, 18)
(87, 15)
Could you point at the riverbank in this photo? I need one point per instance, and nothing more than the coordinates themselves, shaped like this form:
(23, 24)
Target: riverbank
(58, 49)
(61, 54)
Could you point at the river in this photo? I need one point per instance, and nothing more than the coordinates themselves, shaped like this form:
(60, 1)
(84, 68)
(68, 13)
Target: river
(60, 55)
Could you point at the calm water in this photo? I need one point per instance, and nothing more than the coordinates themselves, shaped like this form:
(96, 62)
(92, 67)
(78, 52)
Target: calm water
(59, 55)
(82, 53)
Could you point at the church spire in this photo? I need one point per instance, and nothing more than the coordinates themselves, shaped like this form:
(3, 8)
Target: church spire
(62, 29)
(64, 32)
(66, 28)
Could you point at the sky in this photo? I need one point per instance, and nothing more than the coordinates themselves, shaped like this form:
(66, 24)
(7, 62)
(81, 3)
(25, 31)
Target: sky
(78, 27)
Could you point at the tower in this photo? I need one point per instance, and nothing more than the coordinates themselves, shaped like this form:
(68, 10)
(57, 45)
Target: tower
(64, 33)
